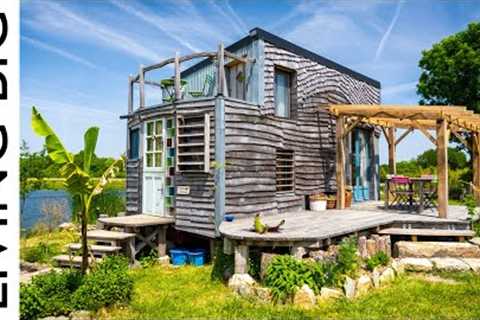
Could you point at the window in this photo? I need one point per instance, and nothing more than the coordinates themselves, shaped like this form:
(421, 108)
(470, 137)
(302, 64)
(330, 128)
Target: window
(235, 75)
(284, 170)
(193, 143)
(154, 144)
(283, 93)
(134, 138)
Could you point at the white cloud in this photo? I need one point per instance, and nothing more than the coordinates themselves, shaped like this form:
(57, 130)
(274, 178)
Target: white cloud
(386, 35)
(55, 18)
(58, 51)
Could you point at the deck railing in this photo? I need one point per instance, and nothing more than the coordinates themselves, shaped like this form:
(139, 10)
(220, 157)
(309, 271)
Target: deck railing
(220, 80)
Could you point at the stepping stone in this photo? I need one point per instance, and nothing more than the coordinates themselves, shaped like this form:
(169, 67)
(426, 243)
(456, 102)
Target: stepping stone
(450, 264)
(96, 248)
(74, 261)
(473, 263)
(436, 249)
(416, 264)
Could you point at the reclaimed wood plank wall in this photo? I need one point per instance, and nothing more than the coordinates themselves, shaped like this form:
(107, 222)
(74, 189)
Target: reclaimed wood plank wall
(253, 133)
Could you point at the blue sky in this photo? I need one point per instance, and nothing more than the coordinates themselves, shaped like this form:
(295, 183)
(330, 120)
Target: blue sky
(76, 55)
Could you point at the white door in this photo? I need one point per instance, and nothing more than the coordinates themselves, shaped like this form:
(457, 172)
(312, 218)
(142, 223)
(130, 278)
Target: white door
(154, 167)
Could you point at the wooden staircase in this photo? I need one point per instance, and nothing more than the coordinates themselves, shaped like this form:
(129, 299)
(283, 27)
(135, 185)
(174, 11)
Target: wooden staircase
(104, 243)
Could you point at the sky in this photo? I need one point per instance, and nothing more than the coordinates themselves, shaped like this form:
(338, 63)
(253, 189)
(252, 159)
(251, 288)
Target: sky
(76, 55)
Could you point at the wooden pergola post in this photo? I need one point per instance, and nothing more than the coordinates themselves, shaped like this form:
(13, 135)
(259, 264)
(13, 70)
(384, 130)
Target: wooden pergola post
(476, 165)
(442, 167)
(340, 162)
(392, 166)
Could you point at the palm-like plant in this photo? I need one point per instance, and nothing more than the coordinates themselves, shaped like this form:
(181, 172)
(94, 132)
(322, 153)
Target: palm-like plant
(78, 180)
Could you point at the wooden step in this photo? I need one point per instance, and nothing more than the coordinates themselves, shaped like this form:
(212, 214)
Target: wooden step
(65, 260)
(428, 232)
(96, 249)
(106, 235)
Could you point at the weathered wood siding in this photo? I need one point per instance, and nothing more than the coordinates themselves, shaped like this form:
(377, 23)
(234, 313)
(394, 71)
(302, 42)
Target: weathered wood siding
(193, 212)
(254, 132)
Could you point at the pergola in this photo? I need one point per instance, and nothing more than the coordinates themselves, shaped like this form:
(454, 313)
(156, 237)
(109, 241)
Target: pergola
(442, 120)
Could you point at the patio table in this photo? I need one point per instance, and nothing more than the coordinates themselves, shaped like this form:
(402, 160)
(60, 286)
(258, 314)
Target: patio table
(416, 184)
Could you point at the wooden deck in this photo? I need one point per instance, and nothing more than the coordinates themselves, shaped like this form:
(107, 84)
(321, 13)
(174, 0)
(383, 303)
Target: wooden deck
(137, 220)
(313, 227)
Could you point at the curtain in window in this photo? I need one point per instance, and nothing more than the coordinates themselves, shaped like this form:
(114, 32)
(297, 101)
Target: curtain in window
(282, 94)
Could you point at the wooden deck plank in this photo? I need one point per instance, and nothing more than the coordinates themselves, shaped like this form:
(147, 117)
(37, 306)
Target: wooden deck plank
(427, 232)
(137, 220)
(108, 235)
(312, 226)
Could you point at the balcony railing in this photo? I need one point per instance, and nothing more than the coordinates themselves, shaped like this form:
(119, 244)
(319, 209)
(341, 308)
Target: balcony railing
(173, 89)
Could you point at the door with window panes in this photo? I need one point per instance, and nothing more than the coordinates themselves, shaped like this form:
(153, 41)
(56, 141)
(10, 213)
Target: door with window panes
(154, 167)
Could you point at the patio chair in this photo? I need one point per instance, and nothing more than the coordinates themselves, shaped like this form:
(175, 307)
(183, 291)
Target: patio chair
(207, 90)
(430, 193)
(402, 193)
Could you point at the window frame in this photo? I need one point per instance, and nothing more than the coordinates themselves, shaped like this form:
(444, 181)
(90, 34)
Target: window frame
(291, 90)
(160, 136)
(277, 171)
(130, 131)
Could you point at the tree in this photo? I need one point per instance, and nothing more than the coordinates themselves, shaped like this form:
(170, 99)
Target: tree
(456, 159)
(78, 179)
(450, 70)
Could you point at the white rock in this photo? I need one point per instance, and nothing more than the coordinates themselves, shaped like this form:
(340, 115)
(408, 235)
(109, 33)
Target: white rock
(475, 241)
(304, 297)
(388, 275)
(81, 315)
(398, 267)
(242, 283)
(164, 260)
(436, 249)
(450, 264)
(66, 226)
(473, 263)
(328, 293)
(376, 277)
(416, 264)
(349, 287)
(364, 283)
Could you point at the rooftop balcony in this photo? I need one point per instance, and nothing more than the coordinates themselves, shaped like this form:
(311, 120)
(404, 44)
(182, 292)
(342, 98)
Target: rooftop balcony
(220, 73)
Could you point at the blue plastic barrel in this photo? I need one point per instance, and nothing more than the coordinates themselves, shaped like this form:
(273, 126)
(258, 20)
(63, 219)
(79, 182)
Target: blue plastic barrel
(179, 257)
(196, 257)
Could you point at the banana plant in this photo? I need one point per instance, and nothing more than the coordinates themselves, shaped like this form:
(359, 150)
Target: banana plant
(78, 180)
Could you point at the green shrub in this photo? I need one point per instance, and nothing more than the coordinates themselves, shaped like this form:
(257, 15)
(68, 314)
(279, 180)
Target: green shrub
(108, 284)
(32, 304)
(378, 259)
(42, 252)
(49, 294)
(285, 274)
(222, 264)
(149, 260)
(348, 262)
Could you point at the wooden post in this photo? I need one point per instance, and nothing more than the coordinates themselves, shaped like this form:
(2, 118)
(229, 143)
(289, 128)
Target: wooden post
(141, 75)
(340, 163)
(162, 241)
(476, 165)
(241, 258)
(130, 94)
(442, 167)
(392, 166)
(178, 89)
(221, 70)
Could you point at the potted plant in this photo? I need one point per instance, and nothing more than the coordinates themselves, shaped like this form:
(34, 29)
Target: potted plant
(348, 196)
(318, 202)
(331, 201)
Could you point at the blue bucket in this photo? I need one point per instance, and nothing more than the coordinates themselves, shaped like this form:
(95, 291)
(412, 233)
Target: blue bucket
(179, 257)
(196, 257)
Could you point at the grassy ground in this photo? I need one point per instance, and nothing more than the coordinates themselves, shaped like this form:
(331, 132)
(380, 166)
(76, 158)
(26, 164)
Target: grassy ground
(188, 292)
(41, 247)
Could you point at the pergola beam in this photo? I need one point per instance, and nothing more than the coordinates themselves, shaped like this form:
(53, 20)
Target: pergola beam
(442, 167)
(404, 135)
(425, 132)
(340, 162)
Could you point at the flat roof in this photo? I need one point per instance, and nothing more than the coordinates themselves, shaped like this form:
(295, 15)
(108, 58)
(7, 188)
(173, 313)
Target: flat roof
(258, 33)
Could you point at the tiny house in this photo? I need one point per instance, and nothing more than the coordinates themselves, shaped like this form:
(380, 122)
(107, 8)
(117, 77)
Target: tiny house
(242, 131)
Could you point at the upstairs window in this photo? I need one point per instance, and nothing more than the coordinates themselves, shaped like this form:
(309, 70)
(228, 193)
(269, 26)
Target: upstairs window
(154, 144)
(283, 93)
(134, 138)
(284, 170)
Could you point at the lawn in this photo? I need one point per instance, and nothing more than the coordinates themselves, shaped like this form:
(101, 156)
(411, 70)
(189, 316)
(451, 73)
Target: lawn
(188, 292)
(42, 246)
